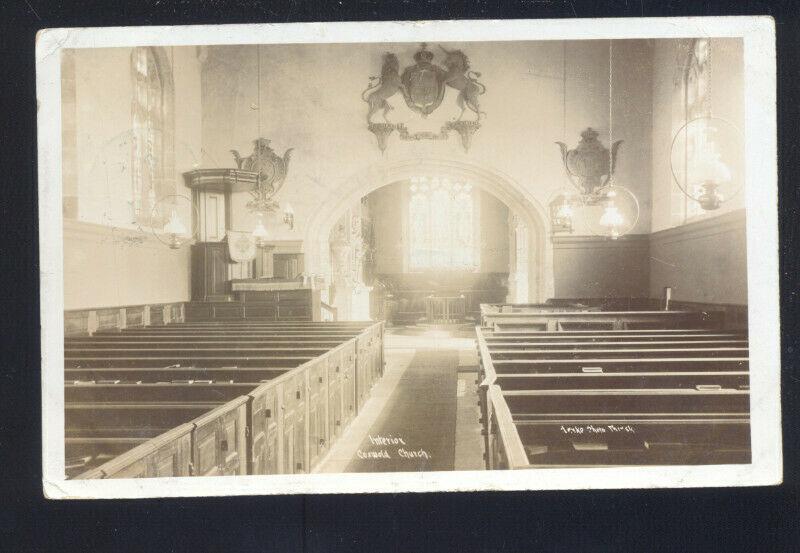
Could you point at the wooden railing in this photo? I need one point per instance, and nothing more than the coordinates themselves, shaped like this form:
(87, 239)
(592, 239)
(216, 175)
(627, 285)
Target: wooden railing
(445, 310)
(329, 312)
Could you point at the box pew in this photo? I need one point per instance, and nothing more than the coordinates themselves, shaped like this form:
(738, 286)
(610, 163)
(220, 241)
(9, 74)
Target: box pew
(212, 444)
(195, 350)
(545, 404)
(616, 345)
(624, 426)
(532, 438)
(164, 360)
(98, 430)
(166, 454)
(360, 324)
(611, 364)
(319, 328)
(617, 353)
(291, 413)
(210, 338)
(551, 440)
(293, 402)
(210, 343)
(630, 380)
(169, 374)
(600, 320)
(607, 336)
(606, 315)
(156, 391)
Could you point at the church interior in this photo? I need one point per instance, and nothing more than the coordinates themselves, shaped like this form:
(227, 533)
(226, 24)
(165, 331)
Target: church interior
(403, 257)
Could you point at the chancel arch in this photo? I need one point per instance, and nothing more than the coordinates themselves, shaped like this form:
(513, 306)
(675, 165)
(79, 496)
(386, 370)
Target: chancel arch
(526, 210)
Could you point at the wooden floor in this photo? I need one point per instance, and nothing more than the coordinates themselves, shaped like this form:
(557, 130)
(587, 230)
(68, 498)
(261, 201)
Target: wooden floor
(423, 415)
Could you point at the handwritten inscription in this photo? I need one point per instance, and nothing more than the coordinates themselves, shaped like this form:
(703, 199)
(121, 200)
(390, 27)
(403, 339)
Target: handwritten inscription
(392, 447)
(598, 429)
(386, 440)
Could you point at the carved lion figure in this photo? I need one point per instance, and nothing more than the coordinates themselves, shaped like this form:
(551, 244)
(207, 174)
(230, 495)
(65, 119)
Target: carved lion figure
(383, 87)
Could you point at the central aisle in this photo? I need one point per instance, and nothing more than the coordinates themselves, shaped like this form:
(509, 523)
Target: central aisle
(422, 415)
(416, 430)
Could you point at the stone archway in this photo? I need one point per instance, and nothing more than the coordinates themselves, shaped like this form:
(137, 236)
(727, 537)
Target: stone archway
(504, 188)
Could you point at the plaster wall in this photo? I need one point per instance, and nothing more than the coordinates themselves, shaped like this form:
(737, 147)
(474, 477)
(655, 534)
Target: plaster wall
(313, 104)
(108, 259)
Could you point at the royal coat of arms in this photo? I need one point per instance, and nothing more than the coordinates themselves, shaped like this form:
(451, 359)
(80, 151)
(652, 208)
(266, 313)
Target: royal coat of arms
(423, 84)
(423, 87)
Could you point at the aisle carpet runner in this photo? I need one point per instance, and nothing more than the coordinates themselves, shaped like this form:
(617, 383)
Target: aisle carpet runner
(416, 430)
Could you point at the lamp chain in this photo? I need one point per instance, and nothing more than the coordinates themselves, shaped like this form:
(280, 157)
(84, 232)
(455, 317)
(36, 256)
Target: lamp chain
(709, 68)
(610, 105)
(258, 57)
(564, 106)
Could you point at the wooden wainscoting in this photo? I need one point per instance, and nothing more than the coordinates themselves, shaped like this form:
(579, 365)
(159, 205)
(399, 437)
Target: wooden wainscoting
(84, 322)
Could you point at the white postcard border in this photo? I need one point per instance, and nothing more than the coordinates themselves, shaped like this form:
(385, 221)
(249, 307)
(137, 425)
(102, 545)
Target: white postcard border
(762, 243)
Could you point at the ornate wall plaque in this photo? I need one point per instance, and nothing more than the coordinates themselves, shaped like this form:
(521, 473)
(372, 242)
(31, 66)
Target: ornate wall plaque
(271, 170)
(589, 162)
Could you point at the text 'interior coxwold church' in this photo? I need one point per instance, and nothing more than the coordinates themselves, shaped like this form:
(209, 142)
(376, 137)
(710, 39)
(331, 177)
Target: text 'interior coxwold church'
(403, 257)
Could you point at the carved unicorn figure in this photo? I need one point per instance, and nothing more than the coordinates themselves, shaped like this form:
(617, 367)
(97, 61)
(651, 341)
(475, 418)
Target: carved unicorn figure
(459, 77)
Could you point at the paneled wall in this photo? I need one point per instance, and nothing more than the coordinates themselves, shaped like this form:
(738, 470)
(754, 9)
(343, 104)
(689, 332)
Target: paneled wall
(705, 261)
(593, 267)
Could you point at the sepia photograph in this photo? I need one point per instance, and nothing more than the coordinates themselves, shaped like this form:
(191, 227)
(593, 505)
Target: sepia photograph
(382, 257)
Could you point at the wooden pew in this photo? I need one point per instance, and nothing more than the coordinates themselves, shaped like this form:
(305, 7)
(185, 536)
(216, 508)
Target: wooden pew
(598, 320)
(156, 339)
(206, 361)
(609, 336)
(664, 426)
(213, 444)
(168, 374)
(292, 417)
(687, 432)
(166, 454)
(200, 349)
(617, 353)
(630, 380)
(614, 397)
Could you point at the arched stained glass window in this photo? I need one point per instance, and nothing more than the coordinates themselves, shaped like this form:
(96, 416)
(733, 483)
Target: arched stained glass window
(441, 215)
(148, 132)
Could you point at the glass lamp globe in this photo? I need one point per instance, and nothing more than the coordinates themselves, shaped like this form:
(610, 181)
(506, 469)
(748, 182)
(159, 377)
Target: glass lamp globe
(174, 220)
(260, 234)
(705, 160)
(611, 212)
(564, 207)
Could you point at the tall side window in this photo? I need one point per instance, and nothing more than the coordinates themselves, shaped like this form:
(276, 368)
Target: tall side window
(695, 102)
(442, 233)
(148, 133)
